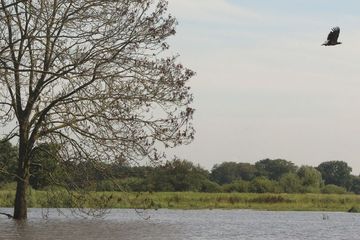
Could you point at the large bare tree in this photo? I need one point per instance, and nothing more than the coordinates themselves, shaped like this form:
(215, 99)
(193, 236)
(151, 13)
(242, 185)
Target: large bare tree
(92, 77)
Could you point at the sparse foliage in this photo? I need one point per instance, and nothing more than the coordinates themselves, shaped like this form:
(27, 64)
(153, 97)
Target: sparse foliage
(91, 77)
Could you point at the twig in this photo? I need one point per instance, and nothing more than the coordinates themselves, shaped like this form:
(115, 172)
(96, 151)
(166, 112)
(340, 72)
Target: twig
(6, 214)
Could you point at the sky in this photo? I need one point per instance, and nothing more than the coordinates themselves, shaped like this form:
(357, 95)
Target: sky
(264, 85)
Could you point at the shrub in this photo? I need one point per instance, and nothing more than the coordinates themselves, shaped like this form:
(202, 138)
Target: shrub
(310, 177)
(264, 185)
(131, 184)
(333, 189)
(8, 186)
(209, 186)
(236, 186)
(310, 189)
(106, 185)
(290, 183)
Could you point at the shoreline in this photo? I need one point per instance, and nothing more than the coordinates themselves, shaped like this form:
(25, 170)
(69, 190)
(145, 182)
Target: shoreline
(189, 201)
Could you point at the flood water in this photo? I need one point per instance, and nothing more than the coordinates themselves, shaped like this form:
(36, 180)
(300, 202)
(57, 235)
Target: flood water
(179, 224)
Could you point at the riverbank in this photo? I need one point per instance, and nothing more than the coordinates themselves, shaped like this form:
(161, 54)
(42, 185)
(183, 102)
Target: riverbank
(271, 202)
(188, 200)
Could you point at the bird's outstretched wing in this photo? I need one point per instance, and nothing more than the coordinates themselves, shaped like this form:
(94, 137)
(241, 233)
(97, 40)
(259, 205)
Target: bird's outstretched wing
(334, 34)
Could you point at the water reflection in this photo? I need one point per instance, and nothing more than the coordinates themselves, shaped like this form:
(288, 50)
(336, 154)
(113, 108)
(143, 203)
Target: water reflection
(172, 224)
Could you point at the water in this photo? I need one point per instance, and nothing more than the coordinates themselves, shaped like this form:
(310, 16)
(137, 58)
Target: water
(179, 224)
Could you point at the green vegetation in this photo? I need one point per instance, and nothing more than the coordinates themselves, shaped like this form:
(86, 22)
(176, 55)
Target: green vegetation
(268, 184)
(191, 200)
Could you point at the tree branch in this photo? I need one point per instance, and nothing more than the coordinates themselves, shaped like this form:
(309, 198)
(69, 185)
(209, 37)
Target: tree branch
(6, 214)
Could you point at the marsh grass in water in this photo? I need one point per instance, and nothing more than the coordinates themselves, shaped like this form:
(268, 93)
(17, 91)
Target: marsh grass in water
(59, 198)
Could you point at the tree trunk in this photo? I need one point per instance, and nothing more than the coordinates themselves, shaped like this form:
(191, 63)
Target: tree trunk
(23, 174)
(20, 207)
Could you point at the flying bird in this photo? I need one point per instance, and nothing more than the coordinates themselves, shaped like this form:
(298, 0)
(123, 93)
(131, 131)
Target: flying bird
(332, 38)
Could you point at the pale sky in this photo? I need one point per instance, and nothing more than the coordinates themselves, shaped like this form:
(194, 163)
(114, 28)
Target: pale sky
(265, 87)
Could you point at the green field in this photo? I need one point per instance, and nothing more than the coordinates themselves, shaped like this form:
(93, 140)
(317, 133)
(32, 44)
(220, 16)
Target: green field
(188, 200)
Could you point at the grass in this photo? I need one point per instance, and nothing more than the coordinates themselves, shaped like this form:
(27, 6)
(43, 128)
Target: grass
(188, 200)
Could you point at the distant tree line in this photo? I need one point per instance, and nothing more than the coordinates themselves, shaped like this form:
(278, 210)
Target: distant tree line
(265, 176)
